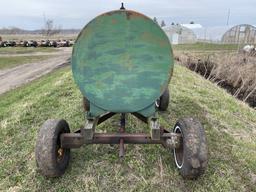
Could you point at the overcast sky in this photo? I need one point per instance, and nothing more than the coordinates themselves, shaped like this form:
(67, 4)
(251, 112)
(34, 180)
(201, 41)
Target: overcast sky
(30, 14)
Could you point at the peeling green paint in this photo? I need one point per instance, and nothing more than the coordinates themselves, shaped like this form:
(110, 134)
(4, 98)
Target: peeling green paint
(122, 61)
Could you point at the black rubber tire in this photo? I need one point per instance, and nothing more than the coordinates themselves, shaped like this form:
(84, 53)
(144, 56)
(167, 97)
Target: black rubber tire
(163, 102)
(3, 44)
(25, 44)
(86, 104)
(191, 157)
(35, 44)
(48, 161)
(54, 44)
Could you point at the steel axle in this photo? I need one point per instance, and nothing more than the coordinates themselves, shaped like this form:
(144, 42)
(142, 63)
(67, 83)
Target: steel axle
(88, 136)
(76, 140)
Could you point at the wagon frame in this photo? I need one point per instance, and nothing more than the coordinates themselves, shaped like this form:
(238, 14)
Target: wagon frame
(187, 139)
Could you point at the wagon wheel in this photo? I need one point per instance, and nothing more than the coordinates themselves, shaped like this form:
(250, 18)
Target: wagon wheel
(86, 104)
(163, 102)
(51, 159)
(191, 157)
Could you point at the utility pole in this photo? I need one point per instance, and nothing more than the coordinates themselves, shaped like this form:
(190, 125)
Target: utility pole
(44, 18)
(228, 16)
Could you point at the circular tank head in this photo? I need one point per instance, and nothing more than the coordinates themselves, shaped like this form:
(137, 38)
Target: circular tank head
(122, 61)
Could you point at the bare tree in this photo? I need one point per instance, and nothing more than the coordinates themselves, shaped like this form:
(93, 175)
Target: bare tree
(50, 29)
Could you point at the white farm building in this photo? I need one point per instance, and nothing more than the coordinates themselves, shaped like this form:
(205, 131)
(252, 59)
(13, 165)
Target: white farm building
(179, 34)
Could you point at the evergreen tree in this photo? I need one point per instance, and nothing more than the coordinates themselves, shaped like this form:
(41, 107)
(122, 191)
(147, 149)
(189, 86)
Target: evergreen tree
(155, 20)
(163, 23)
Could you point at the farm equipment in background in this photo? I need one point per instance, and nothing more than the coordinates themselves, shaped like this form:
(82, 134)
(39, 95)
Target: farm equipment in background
(33, 43)
(3, 44)
(30, 43)
(53, 43)
(11, 44)
(122, 63)
(42, 43)
(48, 43)
(63, 43)
(71, 42)
(45, 43)
(7, 43)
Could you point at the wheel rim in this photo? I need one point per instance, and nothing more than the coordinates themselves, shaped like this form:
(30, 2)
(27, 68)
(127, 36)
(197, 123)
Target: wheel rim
(157, 103)
(60, 152)
(178, 152)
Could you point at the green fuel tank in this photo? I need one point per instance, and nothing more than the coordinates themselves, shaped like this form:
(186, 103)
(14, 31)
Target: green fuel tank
(122, 61)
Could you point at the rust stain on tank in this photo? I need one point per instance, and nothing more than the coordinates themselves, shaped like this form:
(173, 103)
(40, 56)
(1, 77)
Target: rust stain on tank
(114, 21)
(163, 43)
(149, 38)
(137, 15)
(153, 39)
(128, 15)
(109, 13)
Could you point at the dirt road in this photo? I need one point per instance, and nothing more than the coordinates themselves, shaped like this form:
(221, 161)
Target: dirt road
(17, 76)
(30, 54)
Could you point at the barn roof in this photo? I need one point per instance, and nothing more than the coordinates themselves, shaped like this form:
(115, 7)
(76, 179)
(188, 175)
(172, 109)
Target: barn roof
(192, 26)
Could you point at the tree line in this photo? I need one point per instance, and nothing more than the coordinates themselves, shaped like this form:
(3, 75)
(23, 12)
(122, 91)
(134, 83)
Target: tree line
(162, 24)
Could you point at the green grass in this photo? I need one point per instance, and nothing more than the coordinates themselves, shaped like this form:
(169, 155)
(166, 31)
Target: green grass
(206, 47)
(10, 62)
(230, 128)
(22, 50)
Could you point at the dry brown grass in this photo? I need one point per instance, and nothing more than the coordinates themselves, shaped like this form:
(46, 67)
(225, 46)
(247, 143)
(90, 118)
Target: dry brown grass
(234, 71)
(36, 37)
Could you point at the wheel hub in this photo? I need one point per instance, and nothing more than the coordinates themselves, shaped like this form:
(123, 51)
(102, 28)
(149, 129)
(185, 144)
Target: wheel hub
(60, 154)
